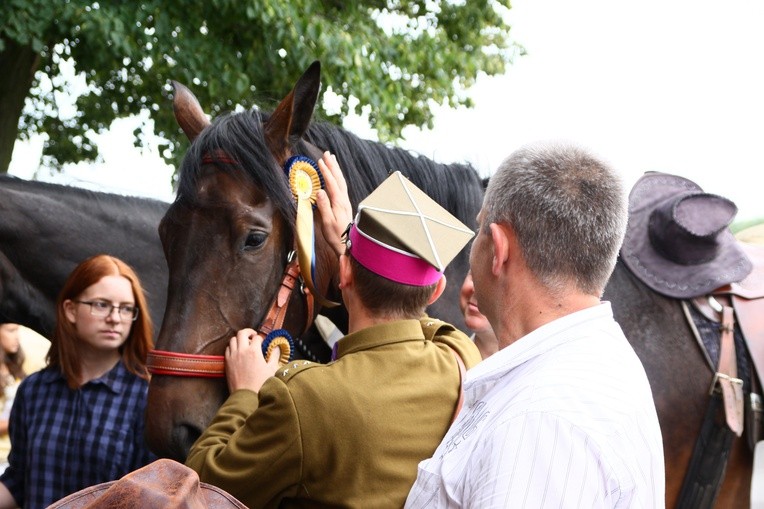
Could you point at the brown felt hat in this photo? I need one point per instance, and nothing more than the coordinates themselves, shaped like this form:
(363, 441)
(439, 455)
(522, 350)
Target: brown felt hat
(403, 235)
(678, 240)
(164, 483)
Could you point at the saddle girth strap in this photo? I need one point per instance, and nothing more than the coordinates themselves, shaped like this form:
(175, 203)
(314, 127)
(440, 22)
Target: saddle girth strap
(722, 422)
(726, 379)
(708, 464)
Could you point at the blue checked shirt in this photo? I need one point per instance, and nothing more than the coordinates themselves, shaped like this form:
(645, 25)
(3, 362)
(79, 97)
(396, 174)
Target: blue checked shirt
(64, 440)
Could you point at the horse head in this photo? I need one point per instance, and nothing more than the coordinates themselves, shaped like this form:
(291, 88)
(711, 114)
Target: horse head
(228, 239)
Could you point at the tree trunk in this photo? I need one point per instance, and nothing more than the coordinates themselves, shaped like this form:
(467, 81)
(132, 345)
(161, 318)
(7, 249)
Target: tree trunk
(17, 67)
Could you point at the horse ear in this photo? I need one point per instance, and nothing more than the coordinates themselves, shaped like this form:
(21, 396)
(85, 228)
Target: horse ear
(188, 111)
(291, 118)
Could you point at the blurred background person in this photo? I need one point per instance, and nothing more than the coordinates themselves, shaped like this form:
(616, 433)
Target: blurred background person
(11, 374)
(482, 333)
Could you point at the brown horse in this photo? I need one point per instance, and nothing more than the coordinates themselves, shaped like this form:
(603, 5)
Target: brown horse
(680, 378)
(227, 238)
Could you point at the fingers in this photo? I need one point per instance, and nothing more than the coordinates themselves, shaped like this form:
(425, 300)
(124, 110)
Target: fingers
(244, 363)
(333, 203)
(243, 340)
(334, 180)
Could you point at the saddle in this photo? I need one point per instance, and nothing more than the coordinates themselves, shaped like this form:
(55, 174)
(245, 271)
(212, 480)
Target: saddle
(744, 302)
(747, 300)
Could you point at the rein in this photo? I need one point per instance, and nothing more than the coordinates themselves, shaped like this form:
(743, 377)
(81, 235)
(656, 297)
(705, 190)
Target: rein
(160, 362)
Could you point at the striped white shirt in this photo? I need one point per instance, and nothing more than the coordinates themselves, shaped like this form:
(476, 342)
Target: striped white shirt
(563, 417)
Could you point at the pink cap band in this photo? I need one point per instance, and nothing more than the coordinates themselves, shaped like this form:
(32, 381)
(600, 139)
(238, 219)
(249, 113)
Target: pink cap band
(391, 263)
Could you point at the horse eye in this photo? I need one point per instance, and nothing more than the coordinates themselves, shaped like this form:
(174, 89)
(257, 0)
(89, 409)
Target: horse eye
(255, 240)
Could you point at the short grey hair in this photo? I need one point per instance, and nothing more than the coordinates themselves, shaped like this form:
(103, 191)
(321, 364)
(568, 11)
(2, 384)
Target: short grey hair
(568, 210)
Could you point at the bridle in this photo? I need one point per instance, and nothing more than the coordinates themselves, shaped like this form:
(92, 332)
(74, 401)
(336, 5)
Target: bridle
(161, 362)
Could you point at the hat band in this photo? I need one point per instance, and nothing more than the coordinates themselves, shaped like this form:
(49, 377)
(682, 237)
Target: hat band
(390, 263)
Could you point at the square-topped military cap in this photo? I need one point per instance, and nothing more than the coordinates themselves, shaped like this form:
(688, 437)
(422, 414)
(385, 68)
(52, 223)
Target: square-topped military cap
(403, 235)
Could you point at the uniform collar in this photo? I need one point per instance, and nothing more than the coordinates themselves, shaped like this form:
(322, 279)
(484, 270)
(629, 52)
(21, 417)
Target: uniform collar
(380, 335)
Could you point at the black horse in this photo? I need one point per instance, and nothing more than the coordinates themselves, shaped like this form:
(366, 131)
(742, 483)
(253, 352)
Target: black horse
(47, 229)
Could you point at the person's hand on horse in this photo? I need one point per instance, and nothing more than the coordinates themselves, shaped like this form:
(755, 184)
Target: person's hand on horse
(245, 366)
(334, 203)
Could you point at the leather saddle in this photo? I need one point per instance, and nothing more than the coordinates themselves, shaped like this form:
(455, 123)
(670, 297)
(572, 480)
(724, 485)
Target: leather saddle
(747, 300)
(745, 303)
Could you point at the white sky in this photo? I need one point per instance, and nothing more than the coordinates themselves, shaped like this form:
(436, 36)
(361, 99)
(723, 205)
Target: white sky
(669, 85)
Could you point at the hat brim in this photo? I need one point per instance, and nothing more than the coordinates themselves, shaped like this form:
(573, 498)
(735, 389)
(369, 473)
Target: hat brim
(656, 271)
(212, 497)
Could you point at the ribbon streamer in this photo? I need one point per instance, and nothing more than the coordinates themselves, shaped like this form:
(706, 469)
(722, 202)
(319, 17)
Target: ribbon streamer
(305, 180)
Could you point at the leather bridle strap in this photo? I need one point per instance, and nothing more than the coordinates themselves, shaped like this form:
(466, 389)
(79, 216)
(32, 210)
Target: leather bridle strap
(725, 378)
(160, 362)
(723, 420)
(274, 319)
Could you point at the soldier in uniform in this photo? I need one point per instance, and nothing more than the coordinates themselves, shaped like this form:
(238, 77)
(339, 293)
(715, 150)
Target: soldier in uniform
(350, 433)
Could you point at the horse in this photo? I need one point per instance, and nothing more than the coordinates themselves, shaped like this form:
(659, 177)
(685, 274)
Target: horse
(680, 377)
(228, 235)
(47, 229)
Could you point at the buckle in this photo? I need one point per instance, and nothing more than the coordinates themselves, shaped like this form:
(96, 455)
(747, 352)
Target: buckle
(721, 376)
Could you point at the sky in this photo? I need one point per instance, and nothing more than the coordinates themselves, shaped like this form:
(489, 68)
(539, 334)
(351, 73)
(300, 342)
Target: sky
(658, 85)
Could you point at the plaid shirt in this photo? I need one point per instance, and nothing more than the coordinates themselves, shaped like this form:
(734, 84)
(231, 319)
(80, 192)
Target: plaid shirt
(65, 440)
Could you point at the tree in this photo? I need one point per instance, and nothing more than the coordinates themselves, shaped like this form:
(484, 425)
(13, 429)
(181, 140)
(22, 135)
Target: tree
(399, 57)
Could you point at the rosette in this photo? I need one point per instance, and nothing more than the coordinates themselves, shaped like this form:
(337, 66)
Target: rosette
(283, 340)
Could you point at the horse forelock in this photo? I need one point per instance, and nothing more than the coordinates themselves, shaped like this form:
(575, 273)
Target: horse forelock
(235, 142)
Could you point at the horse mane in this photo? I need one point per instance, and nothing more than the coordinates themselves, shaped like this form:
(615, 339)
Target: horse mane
(456, 187)
(238, 140)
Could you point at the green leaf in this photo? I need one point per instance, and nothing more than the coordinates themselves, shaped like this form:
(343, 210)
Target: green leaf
(222, 48)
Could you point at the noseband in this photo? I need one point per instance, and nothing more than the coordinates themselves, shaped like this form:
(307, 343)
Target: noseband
(160, 362)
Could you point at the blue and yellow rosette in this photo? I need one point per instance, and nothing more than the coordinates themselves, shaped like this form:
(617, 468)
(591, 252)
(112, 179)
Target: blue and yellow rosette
(283, 340)
(305, 180)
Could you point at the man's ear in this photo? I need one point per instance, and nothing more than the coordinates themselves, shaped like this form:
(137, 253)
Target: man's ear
(438, 291)
(346, 272)
(500, 237)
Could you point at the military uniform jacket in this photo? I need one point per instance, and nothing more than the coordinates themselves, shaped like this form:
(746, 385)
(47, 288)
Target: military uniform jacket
(345, 434)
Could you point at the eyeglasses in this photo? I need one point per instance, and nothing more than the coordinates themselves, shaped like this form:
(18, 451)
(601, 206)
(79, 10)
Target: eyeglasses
(103, 309)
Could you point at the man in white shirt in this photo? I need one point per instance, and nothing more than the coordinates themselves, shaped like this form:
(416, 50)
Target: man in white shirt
(562, 415)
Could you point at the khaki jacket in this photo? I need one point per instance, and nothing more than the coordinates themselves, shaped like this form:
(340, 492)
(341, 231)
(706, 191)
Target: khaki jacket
(345, 434)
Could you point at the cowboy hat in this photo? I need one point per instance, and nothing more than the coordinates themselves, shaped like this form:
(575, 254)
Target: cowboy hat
(164, 483)
(678, 240)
